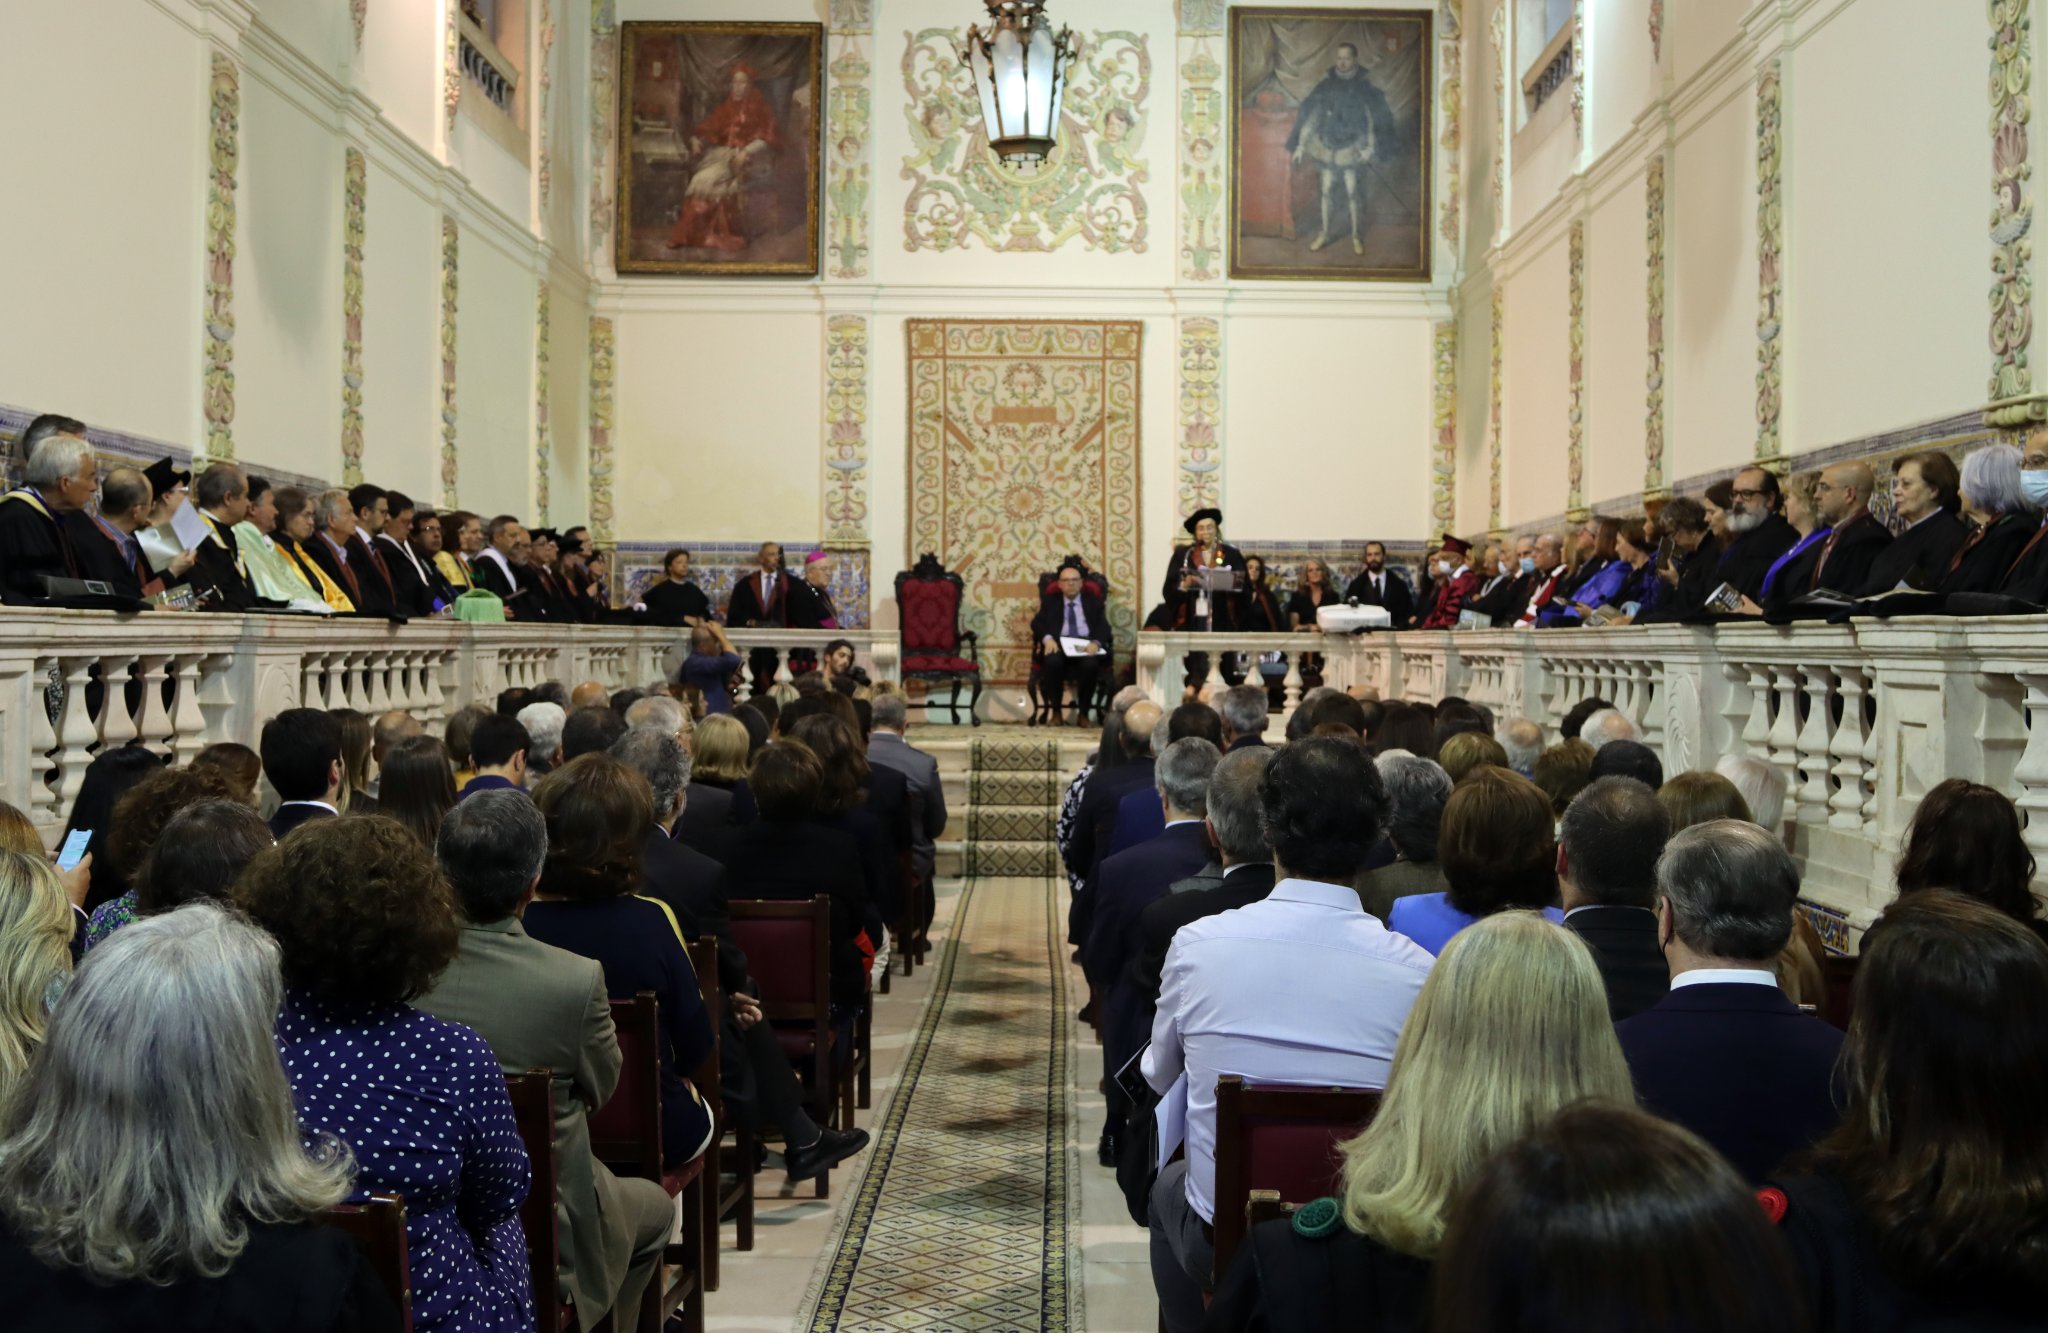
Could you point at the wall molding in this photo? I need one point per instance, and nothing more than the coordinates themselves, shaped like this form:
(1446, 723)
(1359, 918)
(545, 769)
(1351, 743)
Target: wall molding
(217, 382)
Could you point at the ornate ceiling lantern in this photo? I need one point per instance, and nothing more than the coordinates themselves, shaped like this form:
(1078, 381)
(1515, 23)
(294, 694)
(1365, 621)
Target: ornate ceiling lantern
(1020, 70)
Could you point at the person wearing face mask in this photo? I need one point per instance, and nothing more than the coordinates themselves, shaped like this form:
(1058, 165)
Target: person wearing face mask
(1503, 599)
(1995, 500)
(2028, 577)
(1377, 585)
(1546, 581)
(1456, 581)
(1926, 495)
(1757, 530)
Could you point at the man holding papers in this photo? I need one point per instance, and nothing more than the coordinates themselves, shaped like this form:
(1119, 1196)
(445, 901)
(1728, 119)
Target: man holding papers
(1073, 631)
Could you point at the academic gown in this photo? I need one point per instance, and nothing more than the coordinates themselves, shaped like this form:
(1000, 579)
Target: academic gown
(1751, 554)
(675, 604)
(1917, 557)
(1980, 565)
(379, 596)
(218, 570)
(1846, 558)
(2028, 577)
(1227, 612)
(100, 558)
(32, 544)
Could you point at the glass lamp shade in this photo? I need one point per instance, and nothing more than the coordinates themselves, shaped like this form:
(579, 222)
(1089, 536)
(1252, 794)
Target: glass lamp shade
(1019, 70)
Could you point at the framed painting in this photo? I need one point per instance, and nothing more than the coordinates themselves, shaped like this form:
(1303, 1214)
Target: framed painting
(718, 148)
(1330, 173)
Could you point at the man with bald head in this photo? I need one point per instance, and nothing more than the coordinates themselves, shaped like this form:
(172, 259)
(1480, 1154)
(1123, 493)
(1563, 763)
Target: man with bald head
(105, 541)
(1095, 821)
(590, 694)
(1841, 501)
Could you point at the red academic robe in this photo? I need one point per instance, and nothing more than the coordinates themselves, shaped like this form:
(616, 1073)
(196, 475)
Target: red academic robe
(1449, 599)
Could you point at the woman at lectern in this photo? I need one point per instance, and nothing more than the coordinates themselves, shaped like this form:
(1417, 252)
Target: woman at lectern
(1190, 575)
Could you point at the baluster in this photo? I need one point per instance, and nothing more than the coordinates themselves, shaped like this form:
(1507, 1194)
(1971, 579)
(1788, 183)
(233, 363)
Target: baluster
(312, 693)
(1290, 686)
(154, 724)
(745, 689)
(2031, 774)
(336, 693)
(380, 666)
(188, 721)
(116, 723)
(1783, 737)
(1846, 803)
(1814, 744)
(782, 676)
(1874, 717)
(76, 732)
(1756, 731)
(42, 744)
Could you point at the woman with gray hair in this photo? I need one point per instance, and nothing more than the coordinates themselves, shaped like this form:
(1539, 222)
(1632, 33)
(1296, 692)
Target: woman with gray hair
(1417, 790)
(152, 1172)
(1995, 502)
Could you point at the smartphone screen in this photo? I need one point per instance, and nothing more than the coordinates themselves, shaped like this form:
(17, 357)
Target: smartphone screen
(74, 849)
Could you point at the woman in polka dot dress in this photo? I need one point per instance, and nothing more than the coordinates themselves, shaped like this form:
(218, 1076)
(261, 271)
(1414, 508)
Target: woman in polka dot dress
(366, 922)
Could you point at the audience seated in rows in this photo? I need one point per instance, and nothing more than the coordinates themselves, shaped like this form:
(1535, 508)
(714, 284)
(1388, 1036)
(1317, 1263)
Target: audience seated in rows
(1236, 995)
(1966, 837)
(152, 1172)
(1509, 1028)
(418, 787)
(1139, 817)
(365, 923)
(301, 750)
(199, 852)
(1417, 790)
(1607, 849)
(135, 826)
(1498, 851)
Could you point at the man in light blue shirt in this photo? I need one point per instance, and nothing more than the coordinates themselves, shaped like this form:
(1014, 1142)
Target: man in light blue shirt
(1303, 987)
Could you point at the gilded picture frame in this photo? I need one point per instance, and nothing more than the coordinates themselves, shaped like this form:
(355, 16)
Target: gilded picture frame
(1332, 126)
(718, 156)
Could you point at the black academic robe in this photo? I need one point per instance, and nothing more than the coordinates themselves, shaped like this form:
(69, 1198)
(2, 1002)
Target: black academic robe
(1844, 561)
(32, 545)
(218, 573)
(1263, 613)
(2028, 577)
(1751, 554)
(379, 597)
(1981, 564)
(1580, 577)
(437, 587)
(1506, 603)
(1397, 599)
(543, 599)
(101, 558)
(1917, 557)
(491, 577)
(409, 589)
(746, 608)
(809, 607)
(675, 604)
(1228, 612)
(1698, 575)
(346, 576)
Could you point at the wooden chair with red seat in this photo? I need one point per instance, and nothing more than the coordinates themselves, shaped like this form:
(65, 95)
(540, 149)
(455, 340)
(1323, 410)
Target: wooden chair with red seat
(625, 1134)
(1282, 1139)
(789, 953)
(720, 1200)
(928, 602)
(378, 1225)
(533, 1112)
(1092, 581)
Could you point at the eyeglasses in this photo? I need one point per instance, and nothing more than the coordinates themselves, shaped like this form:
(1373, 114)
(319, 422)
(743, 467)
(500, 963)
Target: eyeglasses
(1746, 495)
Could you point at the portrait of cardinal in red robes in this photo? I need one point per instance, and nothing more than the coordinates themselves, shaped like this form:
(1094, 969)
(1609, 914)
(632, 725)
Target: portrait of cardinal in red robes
(735, 141)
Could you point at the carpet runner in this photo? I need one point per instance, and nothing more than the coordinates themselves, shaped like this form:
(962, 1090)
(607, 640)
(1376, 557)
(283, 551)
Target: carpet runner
(965, 1213)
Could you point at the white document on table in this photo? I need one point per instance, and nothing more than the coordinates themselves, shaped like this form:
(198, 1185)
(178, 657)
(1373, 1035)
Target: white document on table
(1073, 647)
(1171, 1120)
(189, 528)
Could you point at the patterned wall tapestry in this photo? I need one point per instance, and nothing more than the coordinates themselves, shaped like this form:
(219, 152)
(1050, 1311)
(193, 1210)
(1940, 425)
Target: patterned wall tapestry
(1024, 447)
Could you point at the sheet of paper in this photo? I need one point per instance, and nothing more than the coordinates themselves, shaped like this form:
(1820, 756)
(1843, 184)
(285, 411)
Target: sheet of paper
(1072, 647)
(1171, 1119)
(189, 527)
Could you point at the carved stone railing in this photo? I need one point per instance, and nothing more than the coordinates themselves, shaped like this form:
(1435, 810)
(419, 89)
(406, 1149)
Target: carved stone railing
(179, 683)
(1861, 719)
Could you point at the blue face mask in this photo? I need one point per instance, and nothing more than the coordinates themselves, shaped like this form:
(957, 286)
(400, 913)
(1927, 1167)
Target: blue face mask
(1528, 564)
(2034, 483)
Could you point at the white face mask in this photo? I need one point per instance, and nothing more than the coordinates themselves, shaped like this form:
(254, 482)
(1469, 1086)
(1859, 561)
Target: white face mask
(1443, 566)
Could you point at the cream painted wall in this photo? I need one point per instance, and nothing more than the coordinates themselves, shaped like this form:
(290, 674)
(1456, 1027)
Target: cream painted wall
(116, 264)
(719, 425)
(1885, 319)
(1534, 392)
(1710, 315)
(100, 269)
(1617, 311)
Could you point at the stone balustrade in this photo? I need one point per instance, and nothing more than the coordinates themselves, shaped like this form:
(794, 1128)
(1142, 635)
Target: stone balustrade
(1861, 719)
(184, 682)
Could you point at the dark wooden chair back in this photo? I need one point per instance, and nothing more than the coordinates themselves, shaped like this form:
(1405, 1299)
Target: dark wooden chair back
(378, 1225)
(1282, 1139)
(789, 954)
(1266, 1206)
(533, 1112)
(625, 1133)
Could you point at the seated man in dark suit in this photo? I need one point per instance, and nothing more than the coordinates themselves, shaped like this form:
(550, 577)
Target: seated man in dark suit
(1127, 883)
(301, 753)
(760, 1082)
(1070, 612)
(1607, 850)
(58, 480)
(106, 544)
(413, 580)
(1095, 819)
(1841, 500)
(1376, 585)
(1417, 791)
(1725, 1054)
(1757, 532)
(541, 1007)
(1138, 817)
(1243, 710)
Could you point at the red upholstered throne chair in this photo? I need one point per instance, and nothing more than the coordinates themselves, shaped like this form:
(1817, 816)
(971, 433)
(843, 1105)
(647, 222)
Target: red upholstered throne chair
(928, 598)
(1092, 581)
